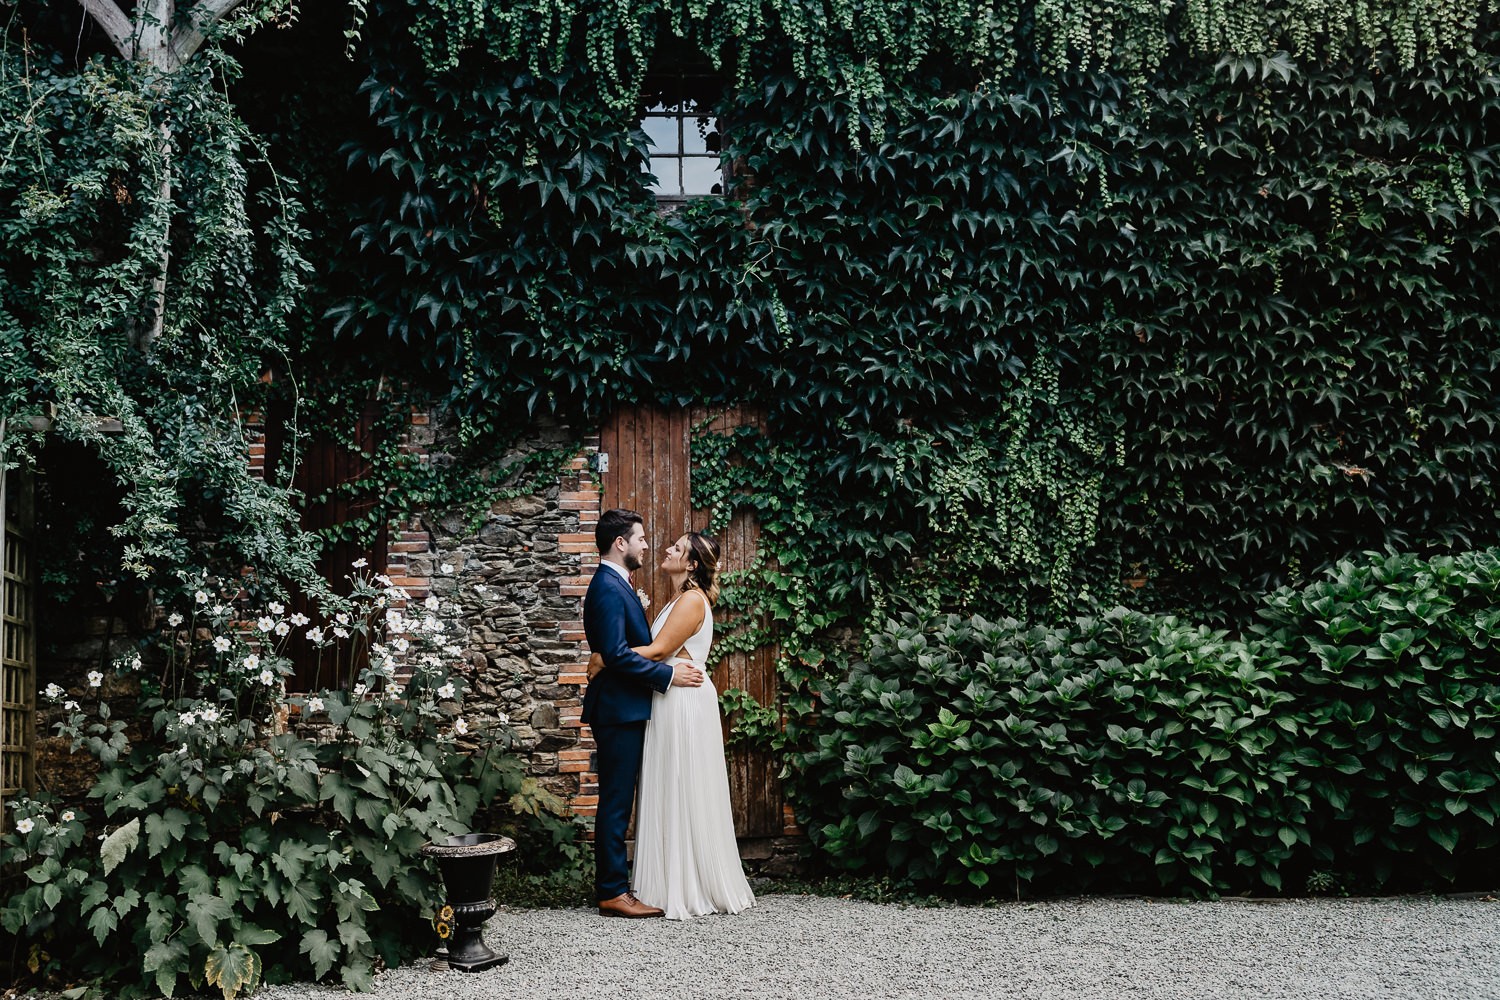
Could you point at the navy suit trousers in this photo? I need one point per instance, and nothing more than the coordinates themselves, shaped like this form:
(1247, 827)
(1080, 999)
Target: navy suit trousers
(619, 762)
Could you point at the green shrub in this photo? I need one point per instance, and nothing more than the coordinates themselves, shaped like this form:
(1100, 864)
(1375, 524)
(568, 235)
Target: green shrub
(1398, 695)
(233, 851)
(1127, 750)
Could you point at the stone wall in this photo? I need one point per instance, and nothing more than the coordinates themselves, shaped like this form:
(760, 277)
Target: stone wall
(518, 580)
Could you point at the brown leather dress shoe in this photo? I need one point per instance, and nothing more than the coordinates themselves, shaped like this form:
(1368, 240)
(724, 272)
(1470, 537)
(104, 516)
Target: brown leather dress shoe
(626, 905)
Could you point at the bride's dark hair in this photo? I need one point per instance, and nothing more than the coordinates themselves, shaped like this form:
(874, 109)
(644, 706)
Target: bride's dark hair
(703, 550)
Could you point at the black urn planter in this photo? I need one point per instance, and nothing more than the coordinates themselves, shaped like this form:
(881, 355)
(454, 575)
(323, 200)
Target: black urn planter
(467, 863)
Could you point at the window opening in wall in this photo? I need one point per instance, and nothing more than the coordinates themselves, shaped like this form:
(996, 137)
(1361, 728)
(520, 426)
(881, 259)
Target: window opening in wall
(676, 113)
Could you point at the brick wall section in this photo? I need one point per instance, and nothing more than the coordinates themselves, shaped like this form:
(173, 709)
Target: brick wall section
(580, 492)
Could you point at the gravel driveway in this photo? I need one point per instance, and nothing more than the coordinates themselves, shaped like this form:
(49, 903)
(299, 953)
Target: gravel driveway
(808, 948)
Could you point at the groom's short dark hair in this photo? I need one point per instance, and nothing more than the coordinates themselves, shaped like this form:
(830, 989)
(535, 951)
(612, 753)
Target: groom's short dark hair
(615, 523)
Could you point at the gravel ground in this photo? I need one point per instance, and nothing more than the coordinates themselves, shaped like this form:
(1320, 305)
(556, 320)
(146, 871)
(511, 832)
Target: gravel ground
(808, 948)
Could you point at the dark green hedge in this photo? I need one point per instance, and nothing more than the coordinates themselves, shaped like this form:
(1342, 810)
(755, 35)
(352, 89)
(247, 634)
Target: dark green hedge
(1354, 737)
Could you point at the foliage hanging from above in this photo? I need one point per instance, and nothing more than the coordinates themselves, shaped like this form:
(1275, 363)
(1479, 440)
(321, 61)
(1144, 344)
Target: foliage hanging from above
(1059, 339)
(149, 305)
(862, 47)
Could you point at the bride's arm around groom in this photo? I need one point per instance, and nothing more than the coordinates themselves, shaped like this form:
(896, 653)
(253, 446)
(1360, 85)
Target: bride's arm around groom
(683, 620)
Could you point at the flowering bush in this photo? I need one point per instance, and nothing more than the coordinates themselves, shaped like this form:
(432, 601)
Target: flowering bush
(235, 849)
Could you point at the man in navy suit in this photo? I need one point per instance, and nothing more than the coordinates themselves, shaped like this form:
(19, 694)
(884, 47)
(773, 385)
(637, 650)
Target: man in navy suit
(617, 702)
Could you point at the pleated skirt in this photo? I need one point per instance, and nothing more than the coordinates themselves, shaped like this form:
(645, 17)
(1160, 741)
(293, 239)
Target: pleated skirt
(686, 858)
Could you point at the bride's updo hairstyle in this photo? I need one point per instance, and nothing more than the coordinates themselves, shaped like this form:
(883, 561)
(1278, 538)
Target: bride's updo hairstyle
(703, 565)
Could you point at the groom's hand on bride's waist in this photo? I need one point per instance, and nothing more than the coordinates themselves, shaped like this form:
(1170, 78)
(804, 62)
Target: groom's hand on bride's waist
(684, 674)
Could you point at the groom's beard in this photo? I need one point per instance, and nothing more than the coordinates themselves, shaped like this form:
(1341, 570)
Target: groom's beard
(632, 563)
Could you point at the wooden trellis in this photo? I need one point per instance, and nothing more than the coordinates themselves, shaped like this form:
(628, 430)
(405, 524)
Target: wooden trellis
(17, 640)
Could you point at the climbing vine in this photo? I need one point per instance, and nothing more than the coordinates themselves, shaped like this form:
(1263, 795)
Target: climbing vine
(865, 48)
(85, 226)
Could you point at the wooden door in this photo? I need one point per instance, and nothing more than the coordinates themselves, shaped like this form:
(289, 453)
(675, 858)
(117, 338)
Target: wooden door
(650, 471)
(328, 478)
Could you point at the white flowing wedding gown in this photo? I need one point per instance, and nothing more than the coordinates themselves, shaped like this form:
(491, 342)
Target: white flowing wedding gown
(686, 858)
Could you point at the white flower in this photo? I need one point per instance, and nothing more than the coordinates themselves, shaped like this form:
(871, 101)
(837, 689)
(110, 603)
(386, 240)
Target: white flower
(299, 619)
(645, 598)
(445, 568)
(174, 619)
(394, 690)
(503, 719)
(382, 579)
(481, 589)
(394, 619)
(431, 604)
(222, 644)
(265, 623)
(135, 663)
(446, 691)
(453, 650)
(360, 689)
(282, 628)
(209, 714)
(67, 816)
(220, 609)
(432, 625)
(54, 692)
(25, 825)
(201, 597)
(360, 563)
(252, 662)
(275, 608)
(70, 705)
(267, 678)
(460, 726)
(95, 678)
(315, 634)
(341, 618)
(315, 704)
(400, 644)
(187, 718)
(341, 632)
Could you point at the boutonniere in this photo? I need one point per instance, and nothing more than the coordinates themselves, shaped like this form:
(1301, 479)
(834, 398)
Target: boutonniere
(645, 599)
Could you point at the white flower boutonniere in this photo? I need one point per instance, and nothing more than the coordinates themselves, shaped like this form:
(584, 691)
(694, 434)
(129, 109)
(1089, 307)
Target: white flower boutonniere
(645, 599)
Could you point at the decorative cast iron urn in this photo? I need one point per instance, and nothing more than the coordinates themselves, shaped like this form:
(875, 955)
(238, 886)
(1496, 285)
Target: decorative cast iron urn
(467, 863)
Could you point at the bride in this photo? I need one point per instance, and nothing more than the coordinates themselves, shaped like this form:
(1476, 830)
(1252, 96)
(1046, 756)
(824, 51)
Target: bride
(686, 858)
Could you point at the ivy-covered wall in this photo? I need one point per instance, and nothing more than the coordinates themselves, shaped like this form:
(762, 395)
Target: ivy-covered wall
(1023, 343)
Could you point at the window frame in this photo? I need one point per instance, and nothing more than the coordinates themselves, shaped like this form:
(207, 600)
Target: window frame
(704, 89)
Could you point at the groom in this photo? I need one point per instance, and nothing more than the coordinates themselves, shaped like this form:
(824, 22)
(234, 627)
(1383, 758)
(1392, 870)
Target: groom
(617, 702)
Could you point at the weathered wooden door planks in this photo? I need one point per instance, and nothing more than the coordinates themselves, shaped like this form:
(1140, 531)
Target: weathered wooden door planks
(651, 471)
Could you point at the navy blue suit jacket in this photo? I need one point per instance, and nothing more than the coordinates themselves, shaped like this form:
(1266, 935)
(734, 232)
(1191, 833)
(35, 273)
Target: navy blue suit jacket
(613, 621)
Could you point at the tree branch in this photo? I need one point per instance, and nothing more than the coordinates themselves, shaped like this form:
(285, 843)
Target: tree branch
(115, 22)
(201, 20)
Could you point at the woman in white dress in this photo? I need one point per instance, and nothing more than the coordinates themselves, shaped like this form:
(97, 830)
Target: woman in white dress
(686, 859)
